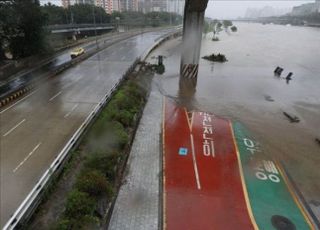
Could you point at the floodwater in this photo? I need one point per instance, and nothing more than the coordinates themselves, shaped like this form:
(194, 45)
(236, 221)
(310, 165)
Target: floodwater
(245, 89)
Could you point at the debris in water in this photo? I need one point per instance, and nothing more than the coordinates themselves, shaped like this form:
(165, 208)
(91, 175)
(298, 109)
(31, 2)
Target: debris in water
(268, 98)
(289, 76)
(278, 71)
(158, 68)
(291, 118)
(216, 58)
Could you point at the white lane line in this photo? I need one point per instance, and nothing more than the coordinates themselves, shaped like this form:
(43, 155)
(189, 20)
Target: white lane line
(73, 108)
(195, 163)
(16, 126)
(26, 158)
(55, 96)
(212, 147)
(18, 101)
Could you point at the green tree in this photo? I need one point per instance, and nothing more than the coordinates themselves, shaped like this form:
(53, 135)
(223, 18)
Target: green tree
(207, 28)
(9, 27)
(94, 183)
(216, 27)
(163, 18)
(79, 204)
(226, 24)
(21, 28)
(54, 14)
(86, 13)
(133, 18)
(234, 29)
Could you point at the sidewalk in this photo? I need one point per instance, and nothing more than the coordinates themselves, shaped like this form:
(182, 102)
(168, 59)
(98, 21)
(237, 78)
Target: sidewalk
(137, 205)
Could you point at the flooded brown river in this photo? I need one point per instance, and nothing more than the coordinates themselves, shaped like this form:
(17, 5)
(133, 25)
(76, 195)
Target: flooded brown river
(245, 89)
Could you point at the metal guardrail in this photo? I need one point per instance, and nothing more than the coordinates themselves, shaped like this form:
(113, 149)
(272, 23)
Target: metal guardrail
(28, 206)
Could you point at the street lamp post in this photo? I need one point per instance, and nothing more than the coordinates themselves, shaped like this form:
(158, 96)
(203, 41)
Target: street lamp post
(118, 22)
(94, 23)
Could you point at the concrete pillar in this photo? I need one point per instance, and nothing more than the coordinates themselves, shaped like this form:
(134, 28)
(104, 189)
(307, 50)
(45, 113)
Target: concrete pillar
(192, 34)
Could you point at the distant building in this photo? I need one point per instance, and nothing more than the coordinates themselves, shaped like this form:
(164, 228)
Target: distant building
(174, 6)
(67, 3)
(107, 5)
(125, 5)
(158, 5)
(129, 5)
(306, 9)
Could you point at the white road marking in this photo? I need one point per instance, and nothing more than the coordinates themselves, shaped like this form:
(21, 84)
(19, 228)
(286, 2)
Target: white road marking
(212, 147)
(73, 108)
(16, 126)
(26, 158)
(18, 101)
(195, 163)
(124, 57)
(55, 96)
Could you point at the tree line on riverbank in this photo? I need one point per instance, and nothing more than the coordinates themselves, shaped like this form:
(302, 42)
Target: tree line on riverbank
(216, 26)
(296, 20)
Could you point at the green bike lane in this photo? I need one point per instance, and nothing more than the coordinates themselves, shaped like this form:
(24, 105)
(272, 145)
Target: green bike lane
(273, 202)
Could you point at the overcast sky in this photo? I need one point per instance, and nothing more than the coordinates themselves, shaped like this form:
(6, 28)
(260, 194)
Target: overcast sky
(237, 8)
(233, 8)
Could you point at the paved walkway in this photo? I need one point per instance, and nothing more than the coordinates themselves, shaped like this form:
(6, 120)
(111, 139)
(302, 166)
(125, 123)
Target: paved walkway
(137, 205)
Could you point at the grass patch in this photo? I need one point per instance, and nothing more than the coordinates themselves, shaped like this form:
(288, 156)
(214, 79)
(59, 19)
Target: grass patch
(94, 183)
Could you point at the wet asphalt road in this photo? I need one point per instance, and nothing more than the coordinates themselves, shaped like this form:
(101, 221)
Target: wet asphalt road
(59, 60)
(238, 90)
(36, 128)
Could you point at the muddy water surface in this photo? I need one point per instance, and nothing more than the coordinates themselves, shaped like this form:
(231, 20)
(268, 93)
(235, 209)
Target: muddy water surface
(245, 89)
